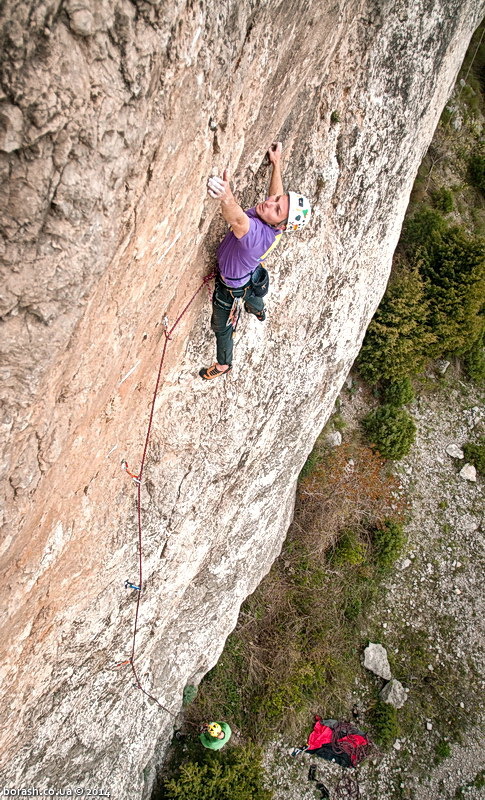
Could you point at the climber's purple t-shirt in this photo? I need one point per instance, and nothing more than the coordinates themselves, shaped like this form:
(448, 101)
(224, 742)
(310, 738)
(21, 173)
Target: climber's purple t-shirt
(237, 258)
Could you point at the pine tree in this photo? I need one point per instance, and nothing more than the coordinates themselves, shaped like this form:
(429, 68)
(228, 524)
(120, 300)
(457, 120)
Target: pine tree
(397, 340)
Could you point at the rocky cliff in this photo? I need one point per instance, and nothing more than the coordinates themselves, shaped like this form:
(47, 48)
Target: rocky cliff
(112, 113)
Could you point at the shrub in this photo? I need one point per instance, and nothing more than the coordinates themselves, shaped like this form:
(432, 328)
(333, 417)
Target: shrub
(349, 549)
(452, 265)
(391, 430)
(383, 719)
(397, 340)
(474, 361)
(475, 454)
(236, 774)
(398, 392)
(476, 171)
(443, 200)
(420, 228)
(388, 542)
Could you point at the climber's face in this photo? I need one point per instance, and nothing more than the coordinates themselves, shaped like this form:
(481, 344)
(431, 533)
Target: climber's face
(274, 210)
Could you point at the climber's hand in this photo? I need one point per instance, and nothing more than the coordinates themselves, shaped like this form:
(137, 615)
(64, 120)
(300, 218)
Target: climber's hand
(219, 188)
(274, 152)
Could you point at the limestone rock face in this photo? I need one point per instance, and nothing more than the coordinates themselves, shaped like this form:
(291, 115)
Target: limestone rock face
(112, 114)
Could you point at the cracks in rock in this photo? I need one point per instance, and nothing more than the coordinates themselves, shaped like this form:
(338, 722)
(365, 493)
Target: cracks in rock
(176, 501)
(249, 28)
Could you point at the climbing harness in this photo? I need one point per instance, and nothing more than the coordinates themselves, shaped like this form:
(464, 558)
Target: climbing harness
(137, 480)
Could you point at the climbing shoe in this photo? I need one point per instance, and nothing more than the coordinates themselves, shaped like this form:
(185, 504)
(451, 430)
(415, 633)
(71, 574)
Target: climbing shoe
(261, 315)
(208, 373)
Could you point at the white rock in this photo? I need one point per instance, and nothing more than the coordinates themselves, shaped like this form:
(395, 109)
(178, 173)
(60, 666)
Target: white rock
(333, 439)
(375, 660)
(397, 745)
(429, 726)
(468, 472)
(394, 693)
(454, 451)
(442, 366)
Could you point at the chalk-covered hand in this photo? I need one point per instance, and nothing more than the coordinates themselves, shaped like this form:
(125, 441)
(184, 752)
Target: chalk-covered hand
(274, 152)
(219, 188)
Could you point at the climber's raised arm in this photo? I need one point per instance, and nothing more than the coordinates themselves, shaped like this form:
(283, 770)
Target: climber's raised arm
(274, 155)
(232, 212)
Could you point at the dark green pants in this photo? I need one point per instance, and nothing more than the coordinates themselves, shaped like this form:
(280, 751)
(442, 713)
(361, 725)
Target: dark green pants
(222, 301)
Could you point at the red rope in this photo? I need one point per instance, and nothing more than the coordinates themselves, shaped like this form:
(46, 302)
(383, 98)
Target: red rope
(138, 479)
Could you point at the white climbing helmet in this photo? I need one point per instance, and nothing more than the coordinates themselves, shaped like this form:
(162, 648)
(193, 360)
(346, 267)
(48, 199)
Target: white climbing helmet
(299, 211)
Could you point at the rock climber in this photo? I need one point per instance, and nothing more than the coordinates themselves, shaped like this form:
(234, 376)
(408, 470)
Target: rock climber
(253, 234)
(215, 735)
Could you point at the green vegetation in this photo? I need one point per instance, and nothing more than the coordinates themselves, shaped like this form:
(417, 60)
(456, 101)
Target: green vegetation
(235, 774)
(474, 361)
(433, 305)
(399, 392)
(391, 430)
(453, 268)
(442, 750)
(421, 227)
(348, 550)
(476, 171)
(310, 463)
(443, 200)
(388, 542)
(397, 341)
(383, 718)
(475, 454)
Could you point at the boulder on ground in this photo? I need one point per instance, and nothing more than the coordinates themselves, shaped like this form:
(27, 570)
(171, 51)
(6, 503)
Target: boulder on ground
(394, 693)
(454, 451)
(468, 472)
(375, 660)
(442, 366)
(333, 439)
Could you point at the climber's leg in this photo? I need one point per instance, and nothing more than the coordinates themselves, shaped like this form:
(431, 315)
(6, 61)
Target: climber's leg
(221, 308)
(255, 305)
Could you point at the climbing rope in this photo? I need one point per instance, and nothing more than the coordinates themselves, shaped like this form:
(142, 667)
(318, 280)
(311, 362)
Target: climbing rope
(356, 752)
(348, 785)
(137, 480)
